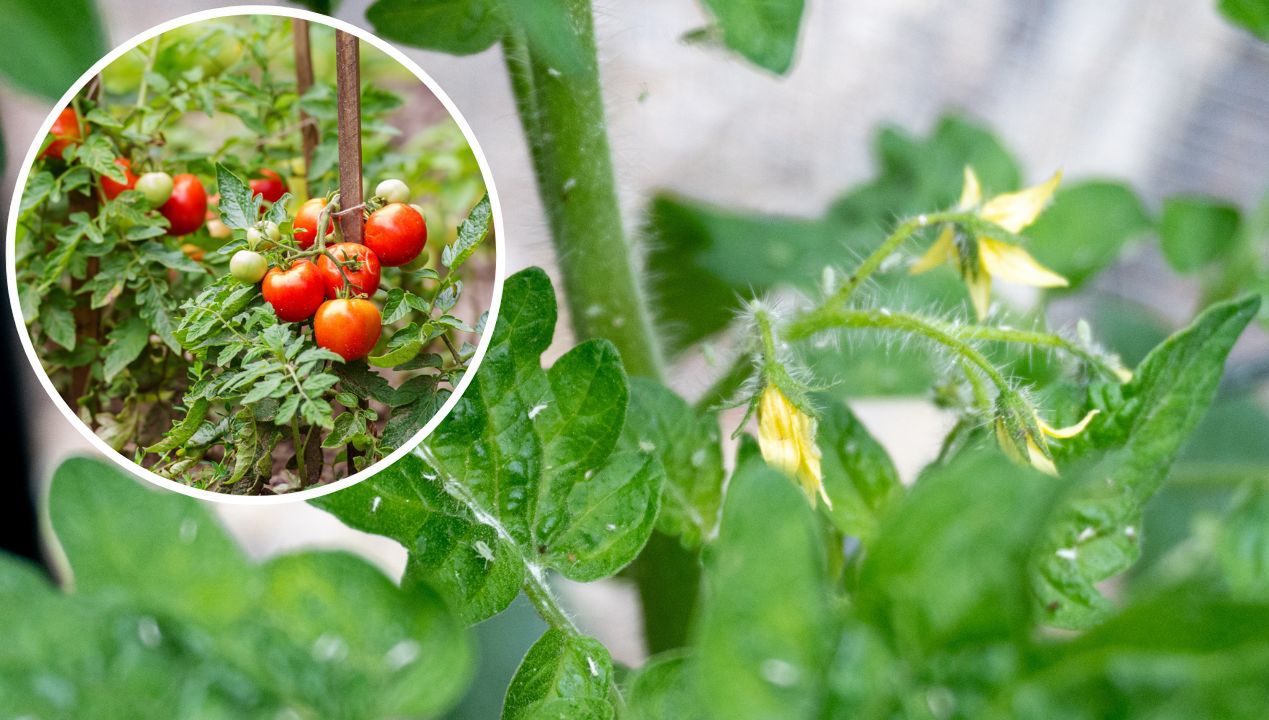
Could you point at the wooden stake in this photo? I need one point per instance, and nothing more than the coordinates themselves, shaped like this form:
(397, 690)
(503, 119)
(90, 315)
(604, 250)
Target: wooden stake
(348, 74)
(304, 81)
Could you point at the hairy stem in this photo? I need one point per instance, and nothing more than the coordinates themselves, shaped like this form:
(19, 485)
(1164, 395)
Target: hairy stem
(828, 318)
(562, 112)
(1038, 339)
(887, 248)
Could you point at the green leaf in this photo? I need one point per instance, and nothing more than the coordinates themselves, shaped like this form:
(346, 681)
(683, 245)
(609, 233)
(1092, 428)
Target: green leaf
(1196, 231)
(102, 517)
(662, 425)
(458, 27)
(466, 559)
(859, 477)
(531, 446)
(127, 341)
(662, 690)
(1086, 227)
(1096, 532)
(1252, 15)
(764, 637)
(563, 675)
(948, 566)
(190, 628)
(50, 46)
(764, 31)
(237, 207)
(471, 233)
(1133, 665)
(1243, 545)
(522, 475)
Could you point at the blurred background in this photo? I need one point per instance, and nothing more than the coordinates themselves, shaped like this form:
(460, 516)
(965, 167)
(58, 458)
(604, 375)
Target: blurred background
(1164, 95)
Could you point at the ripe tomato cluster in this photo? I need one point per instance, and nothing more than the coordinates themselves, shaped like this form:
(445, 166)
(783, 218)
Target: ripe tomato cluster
(332, 284)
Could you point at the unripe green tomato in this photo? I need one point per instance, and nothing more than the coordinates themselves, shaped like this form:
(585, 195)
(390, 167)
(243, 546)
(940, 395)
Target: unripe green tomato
(271, 231)
(254, 237)
(248, 266)
(156, 187)
(393, 190)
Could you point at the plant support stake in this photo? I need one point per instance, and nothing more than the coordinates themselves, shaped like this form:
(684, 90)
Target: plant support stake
(303, 82)
(348, 76)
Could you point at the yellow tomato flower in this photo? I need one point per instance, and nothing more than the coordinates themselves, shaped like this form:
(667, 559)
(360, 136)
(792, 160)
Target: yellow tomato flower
(1023, 435)
(986, 257)
(786, 436)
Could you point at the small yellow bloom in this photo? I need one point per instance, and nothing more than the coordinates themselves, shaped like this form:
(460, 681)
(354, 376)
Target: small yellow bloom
(786, 436)
(1023, 435)
(987, 257)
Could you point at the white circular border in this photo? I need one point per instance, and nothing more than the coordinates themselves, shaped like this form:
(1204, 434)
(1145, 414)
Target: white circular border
(499, 254)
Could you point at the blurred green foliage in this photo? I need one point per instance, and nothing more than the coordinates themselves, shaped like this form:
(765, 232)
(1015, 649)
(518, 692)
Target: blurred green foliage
(167, 618)
(47, 51)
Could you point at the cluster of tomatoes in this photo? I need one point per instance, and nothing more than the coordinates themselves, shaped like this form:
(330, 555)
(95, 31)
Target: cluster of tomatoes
(332, 283)
(180, 199)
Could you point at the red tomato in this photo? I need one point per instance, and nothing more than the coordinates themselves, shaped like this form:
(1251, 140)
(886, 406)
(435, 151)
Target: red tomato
(186, 209)
(271, 185)
(363, 277)
(295, 294)
(349, 328)
(305, 224)
(66, 131)
(397, 233)
(112, 188)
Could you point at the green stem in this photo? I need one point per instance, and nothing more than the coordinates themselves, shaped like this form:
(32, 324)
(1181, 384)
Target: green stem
(562, 112)
(828, 318)
(149, 68)
(887, 248)
(1039, 339)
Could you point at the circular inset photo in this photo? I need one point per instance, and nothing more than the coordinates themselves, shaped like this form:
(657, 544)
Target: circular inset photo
(253, 255)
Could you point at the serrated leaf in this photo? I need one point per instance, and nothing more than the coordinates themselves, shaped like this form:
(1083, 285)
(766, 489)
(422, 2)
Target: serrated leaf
(183, 430)
(464, 558)
(561, 671)
(473, 231)
(237, 206)
(528, 453)
(127, 341)
(687, 444)
(1096, 533)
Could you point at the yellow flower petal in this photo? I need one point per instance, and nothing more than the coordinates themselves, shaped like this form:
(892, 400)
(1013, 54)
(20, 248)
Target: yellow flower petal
(1068, 432)
(1013, 264)
(980, 291)
(1014, 211)
(786, 437)
(943, 250)
(1124, 374)
(971, 190)
(1039, 460)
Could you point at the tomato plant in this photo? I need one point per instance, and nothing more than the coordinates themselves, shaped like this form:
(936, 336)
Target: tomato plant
(171, 278)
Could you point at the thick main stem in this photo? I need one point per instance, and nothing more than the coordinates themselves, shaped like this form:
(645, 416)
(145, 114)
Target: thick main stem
(562, 112)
